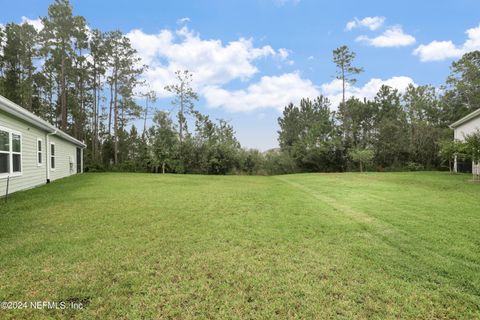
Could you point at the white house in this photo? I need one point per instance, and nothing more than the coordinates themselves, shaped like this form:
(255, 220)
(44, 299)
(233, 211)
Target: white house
(464, 127)
(32, 151)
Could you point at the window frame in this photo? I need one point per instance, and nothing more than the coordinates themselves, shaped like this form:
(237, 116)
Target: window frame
(54, 156)
(10, 153)
(40, 152)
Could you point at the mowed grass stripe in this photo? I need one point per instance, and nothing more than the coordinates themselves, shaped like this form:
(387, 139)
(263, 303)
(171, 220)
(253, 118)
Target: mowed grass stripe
(181, 246)
(407, 242)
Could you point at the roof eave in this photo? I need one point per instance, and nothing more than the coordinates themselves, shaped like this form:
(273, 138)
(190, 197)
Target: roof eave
(17, 111)
(468, 117)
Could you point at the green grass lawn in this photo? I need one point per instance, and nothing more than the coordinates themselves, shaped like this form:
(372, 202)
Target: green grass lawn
(340, 246)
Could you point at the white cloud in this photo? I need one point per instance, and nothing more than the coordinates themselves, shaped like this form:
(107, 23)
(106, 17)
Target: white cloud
(441, 50)
(36, 23)
(473, 39)
(270, 92)
(281, 3)
(277, 91)
(437, 50)
(212, 62)
(372, 23)
(216, 64)
(283, 53)
(333, 89)
(183, 20)
(392, 37)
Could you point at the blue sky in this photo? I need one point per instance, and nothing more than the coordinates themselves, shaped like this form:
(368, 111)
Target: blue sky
(250, 57)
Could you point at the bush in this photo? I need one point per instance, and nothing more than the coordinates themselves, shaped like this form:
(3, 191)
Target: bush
(251, 162)
(278, 162)
(414, 166)
(96, 166)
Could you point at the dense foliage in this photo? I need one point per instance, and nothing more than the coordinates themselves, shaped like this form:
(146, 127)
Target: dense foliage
(393, 131)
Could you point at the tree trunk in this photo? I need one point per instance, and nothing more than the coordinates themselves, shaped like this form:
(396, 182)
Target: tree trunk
(76, 113)
(343, 85)
(145, 120)
(115, 118)
(110, 111)
(94, 107)
(181, 117)
(83, 116)
(361, 166)
(30, 84)
(163, 167)
(63, 97)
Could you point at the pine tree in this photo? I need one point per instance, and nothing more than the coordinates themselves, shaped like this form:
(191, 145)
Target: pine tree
(61, 32)
(184, 99)
(343, 59)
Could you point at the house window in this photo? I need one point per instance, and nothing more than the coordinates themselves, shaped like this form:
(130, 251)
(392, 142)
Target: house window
(10, 152)
(52, 156)
(4, 152)
(16, 152)
(39, 152)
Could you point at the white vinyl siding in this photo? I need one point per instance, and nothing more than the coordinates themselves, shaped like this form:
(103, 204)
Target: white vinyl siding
(467, 128)
(32, 175)
(65, 153)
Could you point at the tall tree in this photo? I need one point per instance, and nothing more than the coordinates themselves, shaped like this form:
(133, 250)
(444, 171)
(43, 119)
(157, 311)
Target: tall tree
(423, 112)
(391, 138)
(343, 59)
(81, 81)
(184, 99)
(356, 119)
(150, 97)
(61, 32)
(17, 60)
(2, 44)
(308, 134)
(464, 82)
(163, 139)
(97, 67)
(125, 69)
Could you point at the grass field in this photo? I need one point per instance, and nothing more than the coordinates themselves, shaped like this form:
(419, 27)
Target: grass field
(340, 246)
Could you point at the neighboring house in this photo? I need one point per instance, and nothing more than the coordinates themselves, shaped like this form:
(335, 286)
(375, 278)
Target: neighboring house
(32, 151)
(462, 128)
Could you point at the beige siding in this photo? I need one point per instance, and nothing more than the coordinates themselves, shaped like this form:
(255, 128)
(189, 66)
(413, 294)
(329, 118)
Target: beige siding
(467, 128)
(32, 174)
(65, 152)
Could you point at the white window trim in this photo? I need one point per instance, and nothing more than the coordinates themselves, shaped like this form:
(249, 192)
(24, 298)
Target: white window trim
(11, 153)
(40, 164)
(52, 156)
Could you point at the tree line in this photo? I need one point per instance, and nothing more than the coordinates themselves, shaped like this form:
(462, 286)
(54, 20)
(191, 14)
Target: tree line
(79, 79)
(392, 131)
(88, 83)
